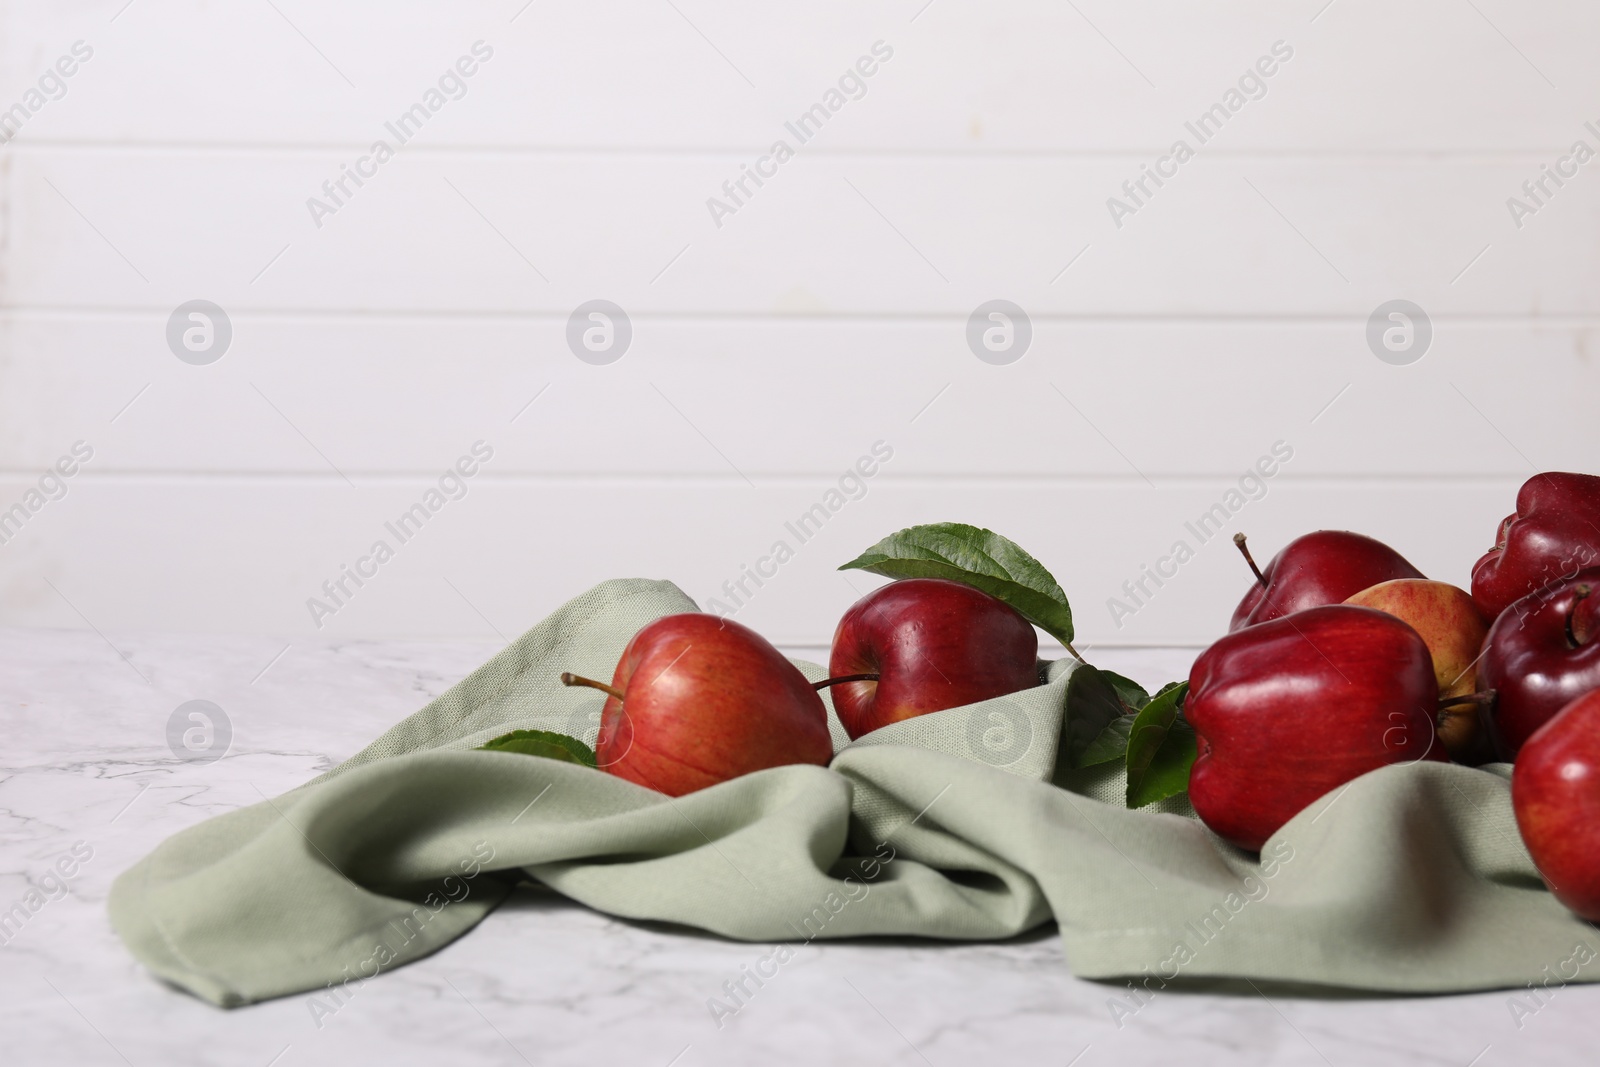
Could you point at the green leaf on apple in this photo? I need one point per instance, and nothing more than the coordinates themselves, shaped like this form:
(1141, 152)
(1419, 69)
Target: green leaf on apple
(543, 743)
(980, 558)
(1100, 709)
(1161, 748)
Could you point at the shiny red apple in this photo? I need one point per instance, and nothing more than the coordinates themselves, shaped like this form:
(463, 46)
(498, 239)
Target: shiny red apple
(1324, 567)
(1542, 653)
(697, 700)
(1555, 793)
(1554, 533)
(933, 644)
(1286, 711)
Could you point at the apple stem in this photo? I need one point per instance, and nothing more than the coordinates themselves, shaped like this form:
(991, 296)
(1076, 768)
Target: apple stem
(578, 679)
(1075, 653)
(819, 686)
(1239, 540)
(1482, 699)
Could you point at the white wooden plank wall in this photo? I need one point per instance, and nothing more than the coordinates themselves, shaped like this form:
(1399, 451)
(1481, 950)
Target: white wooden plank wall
(773, 345)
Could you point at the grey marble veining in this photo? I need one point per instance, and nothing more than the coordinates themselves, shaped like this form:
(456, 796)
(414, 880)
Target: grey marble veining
(85, 762)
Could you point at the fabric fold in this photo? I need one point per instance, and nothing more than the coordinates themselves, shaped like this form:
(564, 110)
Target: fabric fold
(956, 826)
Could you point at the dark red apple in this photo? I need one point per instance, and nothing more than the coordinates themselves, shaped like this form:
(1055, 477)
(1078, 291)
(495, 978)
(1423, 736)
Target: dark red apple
(1286, 711)
(934, 644)
(1554, 533)
(1324, 567)
(697, 700)
(1555, 792)
(1540, 655)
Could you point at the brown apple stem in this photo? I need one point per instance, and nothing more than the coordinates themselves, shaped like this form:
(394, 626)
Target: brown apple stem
(578, 679)
(1239, 539)
(1482, 699)
(819, 686)
(1075, 653)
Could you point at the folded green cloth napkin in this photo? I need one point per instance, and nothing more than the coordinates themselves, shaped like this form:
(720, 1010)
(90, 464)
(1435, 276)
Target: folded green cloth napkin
(957, 825)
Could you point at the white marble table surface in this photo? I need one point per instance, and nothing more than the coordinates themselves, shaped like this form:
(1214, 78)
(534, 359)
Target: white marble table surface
(545, 981)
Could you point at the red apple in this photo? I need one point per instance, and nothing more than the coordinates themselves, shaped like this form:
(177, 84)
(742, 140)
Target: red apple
(1286, 711)
(1541, 654)
(1449, 620)
(697, 700)
(1325, 567)
(933, 644)
(1555, 792)
(1554, 533)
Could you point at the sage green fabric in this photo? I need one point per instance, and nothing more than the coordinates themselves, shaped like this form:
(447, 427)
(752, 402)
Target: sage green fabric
(957, 825)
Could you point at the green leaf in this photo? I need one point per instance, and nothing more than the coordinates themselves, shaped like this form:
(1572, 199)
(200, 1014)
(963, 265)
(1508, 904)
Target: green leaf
(542, 743)
(1130, 692)
(1112, 744)
(1161, 748)
(980, 558)
(1097, 716)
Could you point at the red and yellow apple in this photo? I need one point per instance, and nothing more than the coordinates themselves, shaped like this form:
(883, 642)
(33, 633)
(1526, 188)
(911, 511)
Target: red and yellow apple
(1453, 626)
